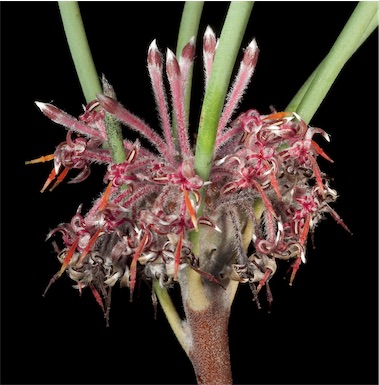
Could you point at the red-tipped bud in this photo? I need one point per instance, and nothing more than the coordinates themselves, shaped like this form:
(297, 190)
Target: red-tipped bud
(172, 65)
(209, 41)
(188, 51)
(250, 56)
(49, 110)
(154, 57)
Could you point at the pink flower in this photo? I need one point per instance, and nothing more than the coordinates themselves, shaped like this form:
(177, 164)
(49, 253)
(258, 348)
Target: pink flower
(140, 225)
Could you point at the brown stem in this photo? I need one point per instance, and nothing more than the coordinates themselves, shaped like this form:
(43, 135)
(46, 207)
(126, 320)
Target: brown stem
(209, 350)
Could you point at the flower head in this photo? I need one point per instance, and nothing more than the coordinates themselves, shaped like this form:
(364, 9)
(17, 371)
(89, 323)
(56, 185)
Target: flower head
(139, 226)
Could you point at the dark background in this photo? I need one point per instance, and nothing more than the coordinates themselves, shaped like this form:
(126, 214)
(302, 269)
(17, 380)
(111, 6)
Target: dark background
(321, 330)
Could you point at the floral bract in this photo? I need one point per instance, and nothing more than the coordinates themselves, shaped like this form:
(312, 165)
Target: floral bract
(140, 225)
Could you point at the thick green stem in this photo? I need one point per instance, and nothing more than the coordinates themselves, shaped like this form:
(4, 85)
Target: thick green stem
(189, 26)
(86, 71)
(360, 25)
(228, 48)
(294, 103)
(79, 48)
(172, 315)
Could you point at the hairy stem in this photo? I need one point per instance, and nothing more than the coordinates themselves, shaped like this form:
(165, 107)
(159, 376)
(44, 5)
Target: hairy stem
(113, 128)
(209, 351)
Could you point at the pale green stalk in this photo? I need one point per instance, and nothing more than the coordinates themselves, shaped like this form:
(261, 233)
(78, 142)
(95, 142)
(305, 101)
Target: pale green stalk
(225, 58)
(189, 27)
(361, 23)
(294, 103)
(79, 48)
(171, 314)
(86, 71)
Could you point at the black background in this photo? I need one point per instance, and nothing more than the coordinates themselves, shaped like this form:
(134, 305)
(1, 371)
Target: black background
(321, 330)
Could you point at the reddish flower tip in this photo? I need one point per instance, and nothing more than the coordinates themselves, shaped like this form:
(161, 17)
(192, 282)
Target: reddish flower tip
(172, 65)
(48, 110)
(188, 51)
(154, 57)
(250, 57)
(209, 41)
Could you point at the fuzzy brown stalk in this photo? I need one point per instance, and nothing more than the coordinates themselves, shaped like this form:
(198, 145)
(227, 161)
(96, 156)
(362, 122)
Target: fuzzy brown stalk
(209, 348)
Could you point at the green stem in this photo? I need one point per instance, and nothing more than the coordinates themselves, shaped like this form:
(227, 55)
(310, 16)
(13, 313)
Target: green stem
(214, 98)
(171, 314)
(114, 129)
(115, 139)
(189, 26)
(86, 71)
(79, 48)
(360, 25)
(293, 105)
(227, 50)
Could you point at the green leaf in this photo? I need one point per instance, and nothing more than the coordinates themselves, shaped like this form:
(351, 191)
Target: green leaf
(79, 48)
(360, 25)
(225, 58)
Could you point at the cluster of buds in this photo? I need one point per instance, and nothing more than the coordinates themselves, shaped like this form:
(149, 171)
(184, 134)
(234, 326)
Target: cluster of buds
(139, 227)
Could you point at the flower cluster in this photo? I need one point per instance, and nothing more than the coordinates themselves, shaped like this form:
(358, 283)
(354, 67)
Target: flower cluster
(140, 225)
